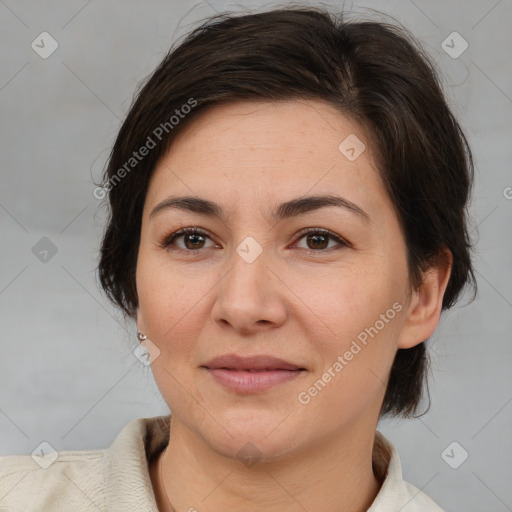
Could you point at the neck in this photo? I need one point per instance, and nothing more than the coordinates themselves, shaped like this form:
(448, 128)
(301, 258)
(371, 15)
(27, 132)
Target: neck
(335, 476)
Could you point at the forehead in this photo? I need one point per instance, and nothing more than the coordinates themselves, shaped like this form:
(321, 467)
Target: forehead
(250, 152)
(271, 124)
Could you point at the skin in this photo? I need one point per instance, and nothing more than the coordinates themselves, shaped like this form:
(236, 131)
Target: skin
(304, 308)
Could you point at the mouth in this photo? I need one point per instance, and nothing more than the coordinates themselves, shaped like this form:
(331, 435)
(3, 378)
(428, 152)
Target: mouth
(259, 363)
(245, 375)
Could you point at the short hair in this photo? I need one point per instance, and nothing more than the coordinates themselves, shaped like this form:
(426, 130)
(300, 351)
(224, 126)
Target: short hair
(373, 72)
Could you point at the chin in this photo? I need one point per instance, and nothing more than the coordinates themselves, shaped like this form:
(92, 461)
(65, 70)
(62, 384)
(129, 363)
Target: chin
(250, 435)
(252, 451)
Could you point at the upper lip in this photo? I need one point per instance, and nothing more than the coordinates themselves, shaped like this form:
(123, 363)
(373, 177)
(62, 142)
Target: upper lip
(259, 362)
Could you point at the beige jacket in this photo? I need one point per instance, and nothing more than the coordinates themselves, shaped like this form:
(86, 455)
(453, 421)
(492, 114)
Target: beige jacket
(117, 478)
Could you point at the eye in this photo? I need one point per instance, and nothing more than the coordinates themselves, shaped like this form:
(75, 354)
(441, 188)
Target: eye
(319, 238)
(193, 239)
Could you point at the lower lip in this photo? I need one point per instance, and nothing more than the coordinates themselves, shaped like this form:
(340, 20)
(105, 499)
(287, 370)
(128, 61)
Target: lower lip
(252, 382)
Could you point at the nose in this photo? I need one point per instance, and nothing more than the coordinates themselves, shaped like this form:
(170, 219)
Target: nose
(251, 297)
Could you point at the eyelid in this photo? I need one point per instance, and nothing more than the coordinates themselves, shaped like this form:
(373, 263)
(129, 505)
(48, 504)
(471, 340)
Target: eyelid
(168, 240)
(325, 232)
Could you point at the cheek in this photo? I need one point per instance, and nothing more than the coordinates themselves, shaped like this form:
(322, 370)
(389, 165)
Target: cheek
(355, 364)
(168, 308)
(172, 302)
(354, 330)
(155, 295)
(343, 303)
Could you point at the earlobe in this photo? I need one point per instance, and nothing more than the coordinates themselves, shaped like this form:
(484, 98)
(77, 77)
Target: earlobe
(425, 307)
(140, 327)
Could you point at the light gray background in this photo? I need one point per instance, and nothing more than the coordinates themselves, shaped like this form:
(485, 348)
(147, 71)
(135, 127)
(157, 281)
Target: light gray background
(67, 372)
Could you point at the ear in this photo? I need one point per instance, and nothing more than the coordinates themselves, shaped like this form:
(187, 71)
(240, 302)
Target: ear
(424, 310)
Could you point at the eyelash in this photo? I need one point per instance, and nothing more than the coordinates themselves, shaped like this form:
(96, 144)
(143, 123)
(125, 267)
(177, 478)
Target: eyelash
(167, 241)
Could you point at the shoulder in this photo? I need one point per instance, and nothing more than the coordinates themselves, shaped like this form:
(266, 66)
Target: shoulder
(418, 501)
(114, 478)
(395, 492)
(55, 481)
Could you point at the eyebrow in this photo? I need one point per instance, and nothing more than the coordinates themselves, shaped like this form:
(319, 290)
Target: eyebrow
(299, 206)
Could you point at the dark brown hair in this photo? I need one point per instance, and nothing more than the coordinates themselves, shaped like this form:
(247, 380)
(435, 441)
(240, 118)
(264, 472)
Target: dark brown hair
(374, 72)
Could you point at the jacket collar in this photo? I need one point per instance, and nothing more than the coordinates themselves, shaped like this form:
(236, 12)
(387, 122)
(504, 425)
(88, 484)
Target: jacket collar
(129, 488)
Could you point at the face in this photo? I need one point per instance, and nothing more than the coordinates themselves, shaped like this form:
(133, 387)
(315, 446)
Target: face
(322, 287)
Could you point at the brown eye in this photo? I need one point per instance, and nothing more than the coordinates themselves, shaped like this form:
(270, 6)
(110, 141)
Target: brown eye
(193, 239)
(317, 240)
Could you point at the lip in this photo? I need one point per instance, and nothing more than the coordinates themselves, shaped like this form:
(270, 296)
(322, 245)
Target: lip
(254, 363)
(254, 374)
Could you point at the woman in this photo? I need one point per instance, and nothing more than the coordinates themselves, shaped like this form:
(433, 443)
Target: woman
(288, 220)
